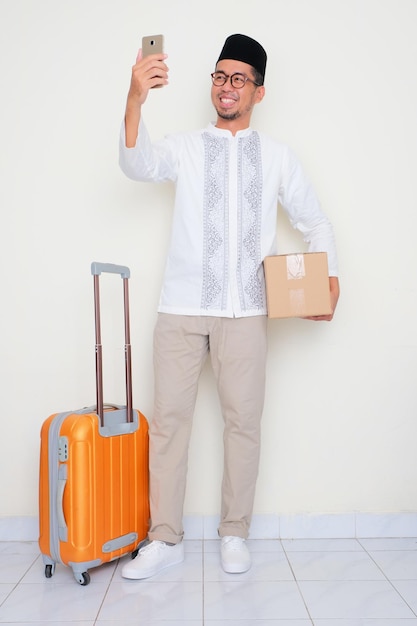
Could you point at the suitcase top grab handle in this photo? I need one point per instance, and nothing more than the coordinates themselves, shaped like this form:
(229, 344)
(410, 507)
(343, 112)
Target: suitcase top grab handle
(96, 270)
(109, 268)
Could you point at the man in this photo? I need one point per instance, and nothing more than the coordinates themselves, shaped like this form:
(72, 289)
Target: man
(229, 180)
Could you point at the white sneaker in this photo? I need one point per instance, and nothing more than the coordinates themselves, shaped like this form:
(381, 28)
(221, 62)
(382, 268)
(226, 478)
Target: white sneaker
(235, 555)
(152, 558)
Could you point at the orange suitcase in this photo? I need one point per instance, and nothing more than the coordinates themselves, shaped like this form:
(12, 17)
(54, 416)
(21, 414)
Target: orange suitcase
(93, 486)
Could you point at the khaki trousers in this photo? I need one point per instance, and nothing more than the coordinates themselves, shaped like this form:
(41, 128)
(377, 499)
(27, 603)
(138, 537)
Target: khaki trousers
(237, 348)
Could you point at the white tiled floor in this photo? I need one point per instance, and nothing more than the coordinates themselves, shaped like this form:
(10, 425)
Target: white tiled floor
(302, 582)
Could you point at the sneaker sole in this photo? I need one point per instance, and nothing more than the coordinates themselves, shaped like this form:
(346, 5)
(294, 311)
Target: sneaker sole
(233, 569)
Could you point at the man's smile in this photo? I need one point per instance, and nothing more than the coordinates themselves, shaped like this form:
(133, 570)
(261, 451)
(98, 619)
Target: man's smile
(227, 100)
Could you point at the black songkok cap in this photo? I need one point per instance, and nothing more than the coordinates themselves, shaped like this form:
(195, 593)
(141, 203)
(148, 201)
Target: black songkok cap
(245, 49)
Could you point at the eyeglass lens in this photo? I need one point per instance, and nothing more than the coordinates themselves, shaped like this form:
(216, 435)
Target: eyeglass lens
(237, 80)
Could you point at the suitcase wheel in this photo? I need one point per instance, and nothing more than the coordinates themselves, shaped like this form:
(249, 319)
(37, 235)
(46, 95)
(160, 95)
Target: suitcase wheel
(82, 578)
(49, 570)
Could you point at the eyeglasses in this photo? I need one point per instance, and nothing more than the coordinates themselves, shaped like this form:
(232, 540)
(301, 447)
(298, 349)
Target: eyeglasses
(237, 80)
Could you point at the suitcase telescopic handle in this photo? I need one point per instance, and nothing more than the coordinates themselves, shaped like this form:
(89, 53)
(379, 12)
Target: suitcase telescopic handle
(109, 268)
(96, 270)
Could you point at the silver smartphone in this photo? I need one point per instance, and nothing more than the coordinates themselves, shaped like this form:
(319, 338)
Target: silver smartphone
(152, 44)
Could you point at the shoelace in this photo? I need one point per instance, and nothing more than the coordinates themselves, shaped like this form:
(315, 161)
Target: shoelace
(153, 546)
(234, 544)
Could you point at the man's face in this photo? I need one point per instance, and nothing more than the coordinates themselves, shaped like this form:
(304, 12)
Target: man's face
(232, 103)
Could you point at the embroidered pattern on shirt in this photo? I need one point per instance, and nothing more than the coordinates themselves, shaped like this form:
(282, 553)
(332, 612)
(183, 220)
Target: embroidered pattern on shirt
(215, 223)
(216, 263)
(250, 276)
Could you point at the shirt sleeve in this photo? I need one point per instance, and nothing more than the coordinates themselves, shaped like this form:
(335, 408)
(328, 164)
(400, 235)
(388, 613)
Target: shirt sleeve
(147, 161)
(302, 206)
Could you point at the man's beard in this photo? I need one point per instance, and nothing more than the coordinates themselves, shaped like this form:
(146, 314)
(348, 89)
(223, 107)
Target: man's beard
(228, 116)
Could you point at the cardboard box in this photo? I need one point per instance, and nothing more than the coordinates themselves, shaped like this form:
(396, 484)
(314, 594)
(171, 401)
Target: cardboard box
(297, 285)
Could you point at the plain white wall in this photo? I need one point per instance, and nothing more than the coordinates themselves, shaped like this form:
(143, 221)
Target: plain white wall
(340, 421)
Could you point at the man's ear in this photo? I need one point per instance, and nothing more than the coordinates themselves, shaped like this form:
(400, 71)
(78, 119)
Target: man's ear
(260, 93)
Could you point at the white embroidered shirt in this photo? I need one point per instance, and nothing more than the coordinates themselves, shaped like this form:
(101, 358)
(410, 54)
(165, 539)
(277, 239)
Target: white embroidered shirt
(224, 223)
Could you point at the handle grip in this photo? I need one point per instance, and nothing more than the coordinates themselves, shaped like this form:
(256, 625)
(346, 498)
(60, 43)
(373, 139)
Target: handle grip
(109, 268)
(61, 484)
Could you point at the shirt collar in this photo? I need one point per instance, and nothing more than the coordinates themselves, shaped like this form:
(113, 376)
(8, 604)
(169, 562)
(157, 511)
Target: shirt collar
(223, 132)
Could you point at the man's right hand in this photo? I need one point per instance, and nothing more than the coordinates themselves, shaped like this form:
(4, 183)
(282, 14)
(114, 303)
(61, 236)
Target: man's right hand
(147, 72)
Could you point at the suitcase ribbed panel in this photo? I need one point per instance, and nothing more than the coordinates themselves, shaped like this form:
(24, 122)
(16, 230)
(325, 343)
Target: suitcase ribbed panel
(44, 495)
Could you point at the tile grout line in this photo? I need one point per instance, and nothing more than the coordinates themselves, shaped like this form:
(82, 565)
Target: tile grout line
(296, 582)
(366, 551)
(388, 579)
(106, 592)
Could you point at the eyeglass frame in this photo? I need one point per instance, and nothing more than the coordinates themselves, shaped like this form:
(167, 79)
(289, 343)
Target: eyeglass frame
(227, 76)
